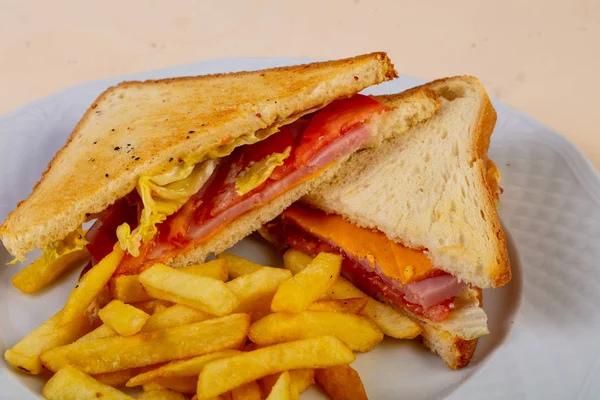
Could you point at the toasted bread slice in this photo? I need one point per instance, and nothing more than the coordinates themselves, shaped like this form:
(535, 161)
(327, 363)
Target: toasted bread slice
(144, 128)
(427, 188)
(455, 351)
(410, 109)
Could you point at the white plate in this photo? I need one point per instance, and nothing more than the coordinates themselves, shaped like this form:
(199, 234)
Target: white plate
(545, 324)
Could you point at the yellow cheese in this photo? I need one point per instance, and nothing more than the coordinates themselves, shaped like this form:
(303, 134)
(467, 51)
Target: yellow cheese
(395, 260)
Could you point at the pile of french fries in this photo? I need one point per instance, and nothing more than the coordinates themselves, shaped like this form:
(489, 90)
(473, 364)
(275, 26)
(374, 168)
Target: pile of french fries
(225, 329)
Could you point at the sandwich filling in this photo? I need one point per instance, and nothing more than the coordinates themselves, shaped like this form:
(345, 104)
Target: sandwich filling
(380, 267)
(250, 177)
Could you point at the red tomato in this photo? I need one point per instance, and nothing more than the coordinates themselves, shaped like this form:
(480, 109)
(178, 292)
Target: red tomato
(332, 122)
(103, 234)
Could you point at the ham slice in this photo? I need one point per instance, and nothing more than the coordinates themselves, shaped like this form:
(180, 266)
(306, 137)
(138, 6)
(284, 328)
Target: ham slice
(431, 291)
(340, 148)
(425, 293)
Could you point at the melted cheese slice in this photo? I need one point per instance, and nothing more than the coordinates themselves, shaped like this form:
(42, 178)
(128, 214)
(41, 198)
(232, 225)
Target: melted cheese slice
(395, 260)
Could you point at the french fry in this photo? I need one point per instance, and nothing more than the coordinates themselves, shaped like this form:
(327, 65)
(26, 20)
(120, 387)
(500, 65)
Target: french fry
(181, 384)
(347, 306)
(162, 394)
(216, 269)
(391, 322)
(238, 266)
(40, 274)
(118, 353)
(283, 390)
(173, 316)
(125, 319)
(341, 383)
(249, 391)
(153, 306)
(255, 290)
(301, 379)
(90, 285)
(322, 352)
(224, 396)
(101, 332)
(179, 368)
(359, 333)
(25, 355)
(116, 378)
(295, 260)
(152, 386)
(260, 312)
(128, 289)
(300, 291)
(71, 384)
(206, 294)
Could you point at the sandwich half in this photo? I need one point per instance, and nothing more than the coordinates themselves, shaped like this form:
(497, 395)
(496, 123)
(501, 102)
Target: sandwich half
(415, 218)
(175, 169)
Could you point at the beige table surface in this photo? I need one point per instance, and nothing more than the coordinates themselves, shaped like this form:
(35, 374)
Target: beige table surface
(542, 57)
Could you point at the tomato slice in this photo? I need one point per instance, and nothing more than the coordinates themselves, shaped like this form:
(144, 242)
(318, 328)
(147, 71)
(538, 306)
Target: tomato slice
(329, 124)
(102, 235)
(223, 191)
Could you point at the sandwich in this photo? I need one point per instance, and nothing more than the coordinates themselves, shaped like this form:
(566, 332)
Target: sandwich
(175, 169)
(415, 218)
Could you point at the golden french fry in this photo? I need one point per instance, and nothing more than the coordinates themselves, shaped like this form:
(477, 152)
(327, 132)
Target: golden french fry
(238, 266)
(359, 333)
(347, 306)
(40, 274)
(193, 366)
(283, 390)
(301, 380)
(153, 306)
(296, 261)
(92, 283)
(162, 394)
(206, 294)
(118, 353)
(125, 319)
(249, 391)
(128, 289)
(255, 290)
(25, 355)
(181, 384)
(116, 378)
(71, 384)
(173, 316)
(322, 352)
(304, 288)
(216, 269)
(392, 323)
(188, 367)
(260, 311)
(152, 386)
(224, 396)
(101, 332)
(341, 383)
